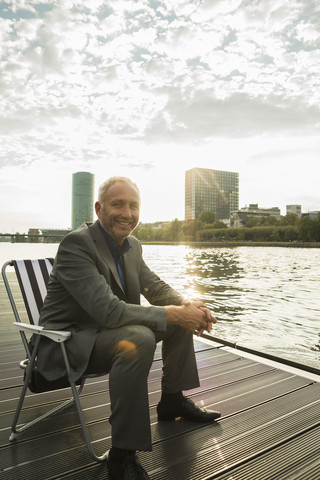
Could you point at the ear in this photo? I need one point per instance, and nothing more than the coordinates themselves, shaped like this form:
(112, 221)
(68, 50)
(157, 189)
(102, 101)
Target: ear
(97, 207)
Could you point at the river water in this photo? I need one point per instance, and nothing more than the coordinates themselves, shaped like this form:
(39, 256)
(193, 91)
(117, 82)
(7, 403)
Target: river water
(265, 298)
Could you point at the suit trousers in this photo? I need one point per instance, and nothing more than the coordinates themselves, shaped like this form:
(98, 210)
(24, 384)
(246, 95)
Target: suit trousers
(127, 353)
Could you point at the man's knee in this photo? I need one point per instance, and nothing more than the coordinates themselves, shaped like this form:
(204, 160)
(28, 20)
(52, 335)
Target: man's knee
(138, 342)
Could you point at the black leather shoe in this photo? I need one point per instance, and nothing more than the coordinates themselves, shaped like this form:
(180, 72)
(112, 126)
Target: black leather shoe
(187, 409)
(127, 469)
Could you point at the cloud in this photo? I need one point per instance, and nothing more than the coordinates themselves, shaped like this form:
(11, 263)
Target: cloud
(134, 70)
(202, 115)
(140, 166)
(304, 155)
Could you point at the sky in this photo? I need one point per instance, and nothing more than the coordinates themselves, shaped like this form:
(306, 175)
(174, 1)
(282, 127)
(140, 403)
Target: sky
(151, 88)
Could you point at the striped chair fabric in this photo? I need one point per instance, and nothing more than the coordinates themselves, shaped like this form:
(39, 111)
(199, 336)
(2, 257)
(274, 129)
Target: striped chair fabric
(33, 277)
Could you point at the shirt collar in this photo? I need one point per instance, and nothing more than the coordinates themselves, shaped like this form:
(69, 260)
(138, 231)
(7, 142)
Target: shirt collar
(113, 245)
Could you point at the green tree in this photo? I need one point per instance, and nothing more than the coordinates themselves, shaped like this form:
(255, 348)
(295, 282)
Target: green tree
(219, 224)
(309, 230)
(252, 222)
(270, 220)
(207, 217)
(144, 233)
(289, 219)
(189, 230)
(174, 232)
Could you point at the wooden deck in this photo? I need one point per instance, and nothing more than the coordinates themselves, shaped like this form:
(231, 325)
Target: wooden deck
(269, 429)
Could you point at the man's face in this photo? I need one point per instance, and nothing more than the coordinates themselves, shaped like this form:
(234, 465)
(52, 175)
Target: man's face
(119, 212)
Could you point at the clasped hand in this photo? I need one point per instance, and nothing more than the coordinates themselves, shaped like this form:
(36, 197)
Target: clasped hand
(198, 317)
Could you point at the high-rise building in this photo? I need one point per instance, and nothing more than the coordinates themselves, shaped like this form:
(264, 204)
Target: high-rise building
(296, 209)
(82, 198)
(207, 189)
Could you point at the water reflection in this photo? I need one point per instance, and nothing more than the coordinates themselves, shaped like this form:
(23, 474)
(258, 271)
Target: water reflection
(213, 273)
(264, 298)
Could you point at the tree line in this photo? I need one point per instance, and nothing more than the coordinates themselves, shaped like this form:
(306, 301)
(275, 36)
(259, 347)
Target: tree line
(289, 228)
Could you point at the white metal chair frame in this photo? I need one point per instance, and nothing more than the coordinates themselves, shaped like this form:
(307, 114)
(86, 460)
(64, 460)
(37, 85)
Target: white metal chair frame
(33, 301)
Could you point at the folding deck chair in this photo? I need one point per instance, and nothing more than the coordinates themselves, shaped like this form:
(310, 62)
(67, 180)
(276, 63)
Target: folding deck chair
(33, 277)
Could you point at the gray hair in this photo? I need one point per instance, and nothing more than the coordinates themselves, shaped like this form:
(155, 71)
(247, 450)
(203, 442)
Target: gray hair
(107, 184)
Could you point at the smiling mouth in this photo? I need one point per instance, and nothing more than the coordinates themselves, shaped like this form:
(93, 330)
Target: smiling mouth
(124, 224)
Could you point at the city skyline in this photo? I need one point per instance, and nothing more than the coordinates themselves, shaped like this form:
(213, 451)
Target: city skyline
(151, 89)
(142, 220)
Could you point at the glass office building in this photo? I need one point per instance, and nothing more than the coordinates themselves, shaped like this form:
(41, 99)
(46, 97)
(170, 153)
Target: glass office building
(214, 190)
(82, 198)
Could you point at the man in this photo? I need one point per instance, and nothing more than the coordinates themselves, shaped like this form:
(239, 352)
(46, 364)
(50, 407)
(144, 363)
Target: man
(94, 291)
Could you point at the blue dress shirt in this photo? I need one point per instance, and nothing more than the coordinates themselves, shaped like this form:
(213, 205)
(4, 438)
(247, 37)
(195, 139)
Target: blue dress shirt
(117, 252)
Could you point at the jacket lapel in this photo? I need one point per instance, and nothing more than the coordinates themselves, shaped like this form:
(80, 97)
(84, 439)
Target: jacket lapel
(104, 252)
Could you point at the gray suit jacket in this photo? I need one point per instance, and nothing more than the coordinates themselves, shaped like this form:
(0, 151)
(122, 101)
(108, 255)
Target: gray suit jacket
(85, 295)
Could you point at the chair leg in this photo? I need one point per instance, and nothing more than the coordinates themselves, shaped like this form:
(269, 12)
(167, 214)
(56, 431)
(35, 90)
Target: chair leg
(14, 430)
(75, 398)
(84, 426)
